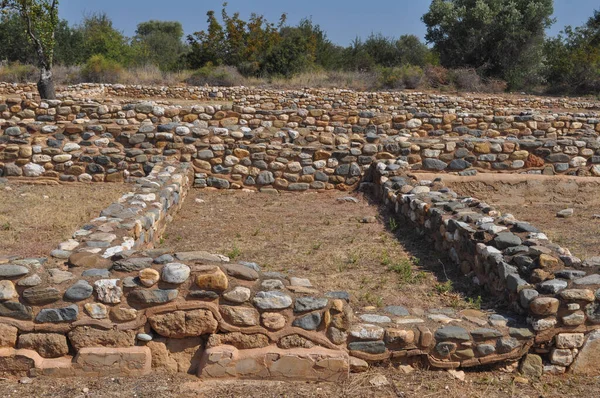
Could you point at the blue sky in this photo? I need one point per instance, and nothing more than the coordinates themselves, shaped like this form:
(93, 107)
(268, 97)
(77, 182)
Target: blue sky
(343, 20)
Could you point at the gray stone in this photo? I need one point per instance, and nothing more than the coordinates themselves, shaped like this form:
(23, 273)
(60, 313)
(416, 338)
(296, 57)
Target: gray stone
(144, 337)
(175, 273)
(593, 279)
(272, 284)
(485, 349)
(241, 272)
(374, 318)
(452, 333)
(506, 239)
(526, 296)
(203, 295)
(265, 178)
(30, 281)
(164, 259)
(526, 227)
(272, 300)
(12, 271)
(553, 286)
(532, 366)
(250, 265)
(132, 264)
(96, 273)
(485, 334)
(10, 309)
(338, 295)
(397, 310)
(520, 333)
(305, 304)
(308, 322)
(56, 315)
(507, 344)
(153, 296)
(81, 290)
(370, 347)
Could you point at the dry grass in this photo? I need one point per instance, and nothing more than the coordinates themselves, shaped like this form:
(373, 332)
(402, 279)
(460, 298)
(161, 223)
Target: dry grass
(538, 201)
(315, 236)
(35, 218)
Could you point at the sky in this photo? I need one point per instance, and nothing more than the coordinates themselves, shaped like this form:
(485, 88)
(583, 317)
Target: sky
(343, 20)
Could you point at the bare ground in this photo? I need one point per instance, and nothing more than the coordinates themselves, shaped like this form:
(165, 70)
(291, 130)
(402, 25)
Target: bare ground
(313, 235)
(35, 218)
(419, 384)
(537, 200)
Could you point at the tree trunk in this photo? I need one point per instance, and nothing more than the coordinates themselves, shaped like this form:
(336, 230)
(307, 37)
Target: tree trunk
(46, 84)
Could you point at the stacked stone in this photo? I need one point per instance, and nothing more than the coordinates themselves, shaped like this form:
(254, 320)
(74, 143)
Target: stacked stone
(135, 222)
(509, 258)
(294, 149)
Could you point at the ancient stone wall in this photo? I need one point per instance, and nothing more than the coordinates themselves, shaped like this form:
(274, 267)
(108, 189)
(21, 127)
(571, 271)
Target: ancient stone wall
(294, 149)
(557, 293)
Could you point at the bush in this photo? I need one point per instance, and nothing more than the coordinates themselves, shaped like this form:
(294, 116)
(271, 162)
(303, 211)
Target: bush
(406, 76)
(98, 69)
(226, 76)
(19, 73)
(466, 80)
(437, 76)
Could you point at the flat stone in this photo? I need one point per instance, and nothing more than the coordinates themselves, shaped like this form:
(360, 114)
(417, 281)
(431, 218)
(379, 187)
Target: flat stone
(532, 366)
(30, 281)
(370, 347)
(396, 310)
(156, 296)
(593, 279)
(578, 295)
(338, 295)
(273, 320)
(48, 345)
(452, 333)
(149, 277)
(132, 264)
(544, 306)
(272, 284)
(272, 300)
(520, 333)
(241, 272)
(12, 271)
(367, 332)
(586, 362)
(143, 337)
(506, 239)
(294, 281)
(57, 315)
(81, 290)
(164, 259)
(305, 304)
(485, 334)
(212, 278)
(96, 273)
(57, 276)
(485, 349)
(199, 256)
(175, 273)
(374, 318)
(203, 295)
(41, 295)
(553, 286)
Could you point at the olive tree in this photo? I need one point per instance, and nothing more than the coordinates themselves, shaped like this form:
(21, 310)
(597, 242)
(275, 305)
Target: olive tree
(40, 18)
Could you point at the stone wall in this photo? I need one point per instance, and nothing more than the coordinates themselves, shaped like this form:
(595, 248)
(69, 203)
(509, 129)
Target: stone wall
(295, 149)
(537, 279)
(321, 98)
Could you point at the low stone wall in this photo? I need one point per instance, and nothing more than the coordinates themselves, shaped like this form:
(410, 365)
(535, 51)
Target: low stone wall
(296, 149)
(320, 98)
(538, 279)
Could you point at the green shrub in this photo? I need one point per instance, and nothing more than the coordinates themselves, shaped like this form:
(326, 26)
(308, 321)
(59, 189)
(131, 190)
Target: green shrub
(225, 76)
(98, 69)
(19, 73)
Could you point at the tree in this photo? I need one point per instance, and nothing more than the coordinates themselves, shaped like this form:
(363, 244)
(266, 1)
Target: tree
(411, 51)
(500, 38)
(159, 43)
(41, 19)
(573, 58)
(101, 38)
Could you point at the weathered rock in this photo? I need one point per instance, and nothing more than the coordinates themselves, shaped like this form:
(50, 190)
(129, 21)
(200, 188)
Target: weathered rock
(532, 366)
(81, 290)
(181, 324)
(238, 340)
(108, 291)
(149, 277)
(151, 297)
(7, 291)
(240, 316)
(121, 314)
(309, 322)
(48, 345)
(273, 321)
(41, 295)
(305, 304)
(86, 336)
(586, 362)
(211, 278)
(8, 335)
(175, 273)
(238, 295)
(57, 315)
(96, 310)
(272, 300)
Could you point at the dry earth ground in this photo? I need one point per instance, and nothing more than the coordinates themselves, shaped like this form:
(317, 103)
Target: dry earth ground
(419, 384)
(314, 235)
(35, 218)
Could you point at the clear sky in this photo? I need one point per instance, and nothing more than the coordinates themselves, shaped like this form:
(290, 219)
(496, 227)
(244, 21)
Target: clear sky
(343, 20)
